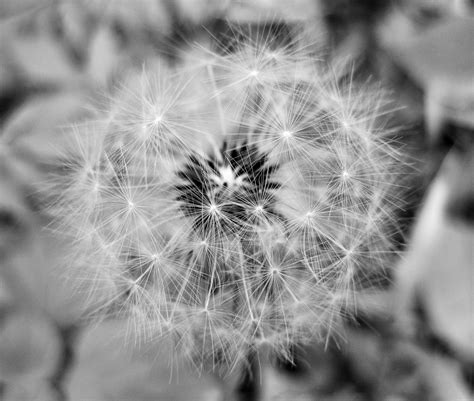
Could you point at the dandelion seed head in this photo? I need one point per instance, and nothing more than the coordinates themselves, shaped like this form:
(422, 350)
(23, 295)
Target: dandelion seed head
(230, 204)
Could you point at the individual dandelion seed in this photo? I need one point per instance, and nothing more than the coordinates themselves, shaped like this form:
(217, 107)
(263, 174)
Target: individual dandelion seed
(233, 211)
(156, 116)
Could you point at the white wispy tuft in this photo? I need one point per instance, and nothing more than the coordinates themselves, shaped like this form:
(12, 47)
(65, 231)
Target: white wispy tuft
(238, 200)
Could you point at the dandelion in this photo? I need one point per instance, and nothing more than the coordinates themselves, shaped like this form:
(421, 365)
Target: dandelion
(235, 203)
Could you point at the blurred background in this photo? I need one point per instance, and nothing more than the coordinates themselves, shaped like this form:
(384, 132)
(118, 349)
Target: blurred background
(415, 341)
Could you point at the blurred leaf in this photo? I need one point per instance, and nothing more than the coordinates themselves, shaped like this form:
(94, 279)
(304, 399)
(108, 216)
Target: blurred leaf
(29, 347)
(29, 390)
(315, 372)
(439, 264)
(396, 369)
(103, 56)
(201, 11)
(12, 8)
(36, 126)
(441, 60)
(32, 268)
(43, 61)
(109, 368)
(76, 24)
(135, 17)
(268, 10)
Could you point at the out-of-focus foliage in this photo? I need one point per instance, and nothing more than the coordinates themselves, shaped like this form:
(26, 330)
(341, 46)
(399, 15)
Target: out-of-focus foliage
(109, 367)
(55, 55)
